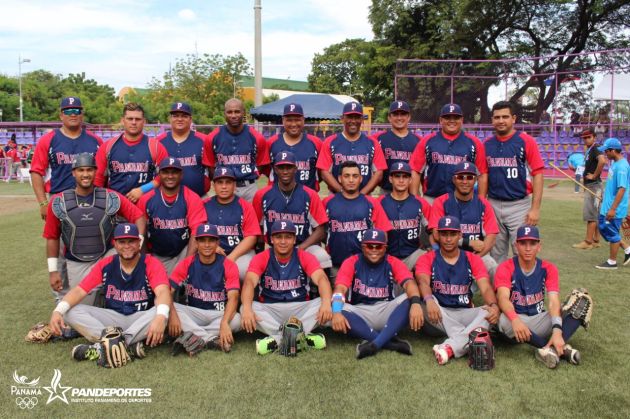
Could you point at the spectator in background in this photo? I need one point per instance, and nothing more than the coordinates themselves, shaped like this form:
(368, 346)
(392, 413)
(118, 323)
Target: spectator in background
(545, 120)
(576, 163)
(14, 154)
(575, 120)
(601, 125)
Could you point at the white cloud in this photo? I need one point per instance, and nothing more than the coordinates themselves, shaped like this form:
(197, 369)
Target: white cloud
(187, 14)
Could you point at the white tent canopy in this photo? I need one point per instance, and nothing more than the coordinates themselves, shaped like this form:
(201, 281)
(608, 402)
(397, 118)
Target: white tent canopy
(618, 82)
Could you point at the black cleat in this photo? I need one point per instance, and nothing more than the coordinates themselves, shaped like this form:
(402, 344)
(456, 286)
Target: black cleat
(399, 345)
(366, 349)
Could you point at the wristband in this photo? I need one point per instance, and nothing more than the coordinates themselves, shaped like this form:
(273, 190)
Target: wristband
(428, 298)
(337, 302)
(43, 203)
(62, 308)
(556, 326)
(556, 320)
(147, 187)
(415, 300)
(163, 309)
(52, 264)
(511, 315)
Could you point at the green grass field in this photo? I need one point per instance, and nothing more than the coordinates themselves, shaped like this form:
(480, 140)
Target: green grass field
(330, 383)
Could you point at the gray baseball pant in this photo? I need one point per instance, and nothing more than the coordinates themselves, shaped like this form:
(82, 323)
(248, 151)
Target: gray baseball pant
(510, 216)
(204, 323)
(272, 316)
(539, 323)
(377, 314)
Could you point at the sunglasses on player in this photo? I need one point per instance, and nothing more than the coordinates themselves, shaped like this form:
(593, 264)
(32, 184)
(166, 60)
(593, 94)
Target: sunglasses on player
(374, 246)
(72, 111)
(465, 177)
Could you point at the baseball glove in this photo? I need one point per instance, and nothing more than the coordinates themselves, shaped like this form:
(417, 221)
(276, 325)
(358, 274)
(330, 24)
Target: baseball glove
(40, 333)
(480, 350)
(190, 342)
(113, 350)
(292, 337)
(579, 305)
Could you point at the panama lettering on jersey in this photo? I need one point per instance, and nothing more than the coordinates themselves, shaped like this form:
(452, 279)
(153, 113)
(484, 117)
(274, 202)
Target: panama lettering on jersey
(189, 153)
(408, 217)
(130, 166)
(306, 153)
(286, 282)
(168, 231)
(395, 149)
(235, 221)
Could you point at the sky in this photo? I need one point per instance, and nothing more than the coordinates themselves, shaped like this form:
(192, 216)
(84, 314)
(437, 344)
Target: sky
(127, 42)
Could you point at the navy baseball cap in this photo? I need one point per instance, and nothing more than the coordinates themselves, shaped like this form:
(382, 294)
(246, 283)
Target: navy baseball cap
(374, 235)
(448, 223)
(451, 109)
(170, 163)
(293, 109)
(71, 102)
(610, 144)
(465, 167)
(353, 108)
(527, 232)
(283, 226)
(399, 106)
(207, 230)
(400, 167)
(285, 157)
(222, 171)
(126, 231)
(181, 107)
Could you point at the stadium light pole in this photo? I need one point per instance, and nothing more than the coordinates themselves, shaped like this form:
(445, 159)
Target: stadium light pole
(20, 62)
(258, 97)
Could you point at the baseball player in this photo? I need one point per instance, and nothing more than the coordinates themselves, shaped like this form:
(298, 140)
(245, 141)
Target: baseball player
(281, 275)
(409, 215)
(397, 142)
(437, 154)
(187, 146)
(134, 283)
(445, 277)
(212, 289)
(56, 150)
(84, 218)
(350, 213)
(240, 147)
(475, 214)
(173, 212)
(304, 146)
(288, 200)
(351, 145)
(522, 284)
(127, 163)
(515, 171)
(594, 164)
(614, 206)
(373, 313)
(235, 219)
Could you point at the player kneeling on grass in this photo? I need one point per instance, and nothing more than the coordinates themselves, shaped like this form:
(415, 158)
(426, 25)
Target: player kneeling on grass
(281, 276)
(212, 290)
(445, 277)
(521, 284)
(133, 283)
(373, 313)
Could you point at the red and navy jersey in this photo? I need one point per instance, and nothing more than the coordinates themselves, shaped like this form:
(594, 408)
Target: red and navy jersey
(206, 285)
(408, 217)
(306, 153)
(283, 281)
(55, 151)
(527, 291)
(190, 155)
(395, 149)
(243, 152)
(129, 165)
(511, 162)
(347, 220)
(366, 152)
(476, 216)
(437, 154)
(126, 293)
(234, 221)
(171, 219)
(451, 283)
(303, 207)
(369, 283)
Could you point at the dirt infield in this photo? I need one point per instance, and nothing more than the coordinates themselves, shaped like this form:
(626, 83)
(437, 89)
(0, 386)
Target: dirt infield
(13, 204)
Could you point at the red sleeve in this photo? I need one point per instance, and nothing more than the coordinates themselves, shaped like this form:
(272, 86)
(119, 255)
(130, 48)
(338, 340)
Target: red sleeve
(142, 202)
(262, 152)
(427, 209)
(156, 272)
(503, 275)
(424, 264)
(95, 277)
(324, 161)
(259, 262)
(399, 269)
(316, 209)
(418, 158)
(160, 137)
(257, 202)
(208, 155)
(52, 228)
(476, 264)
(101, 164)
(534, 160)
(196, 212)
(316, 142)
(98, 139)
(161, 153)
(308, 262)
(40, 155)
(379, 158)
(180, 273)
(552, 283)
(232, 281)
(345, 275)
(327, 199)
(379, 217)
(437, 211)
(480, 157)
(128, 209)
(376, 135)
(251, 225)
(489, 224)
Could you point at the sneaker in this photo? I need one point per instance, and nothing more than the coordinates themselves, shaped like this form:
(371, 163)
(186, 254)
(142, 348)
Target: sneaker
(399, 345)
(315, 341)
(441, 354)
(548, 356)
(136, 350)
(365, 349)
(266, 345)
(606, 266)
(583, 245)
(86, 352)
(572, 356)
(626, 259)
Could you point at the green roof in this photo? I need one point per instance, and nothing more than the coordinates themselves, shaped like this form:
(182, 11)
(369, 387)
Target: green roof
(281, 84)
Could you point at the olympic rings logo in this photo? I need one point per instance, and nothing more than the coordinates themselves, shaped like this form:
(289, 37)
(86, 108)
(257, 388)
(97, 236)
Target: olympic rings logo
(26, 402)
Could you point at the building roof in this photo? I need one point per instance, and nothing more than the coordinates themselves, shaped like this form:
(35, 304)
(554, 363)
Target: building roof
(317, 106)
